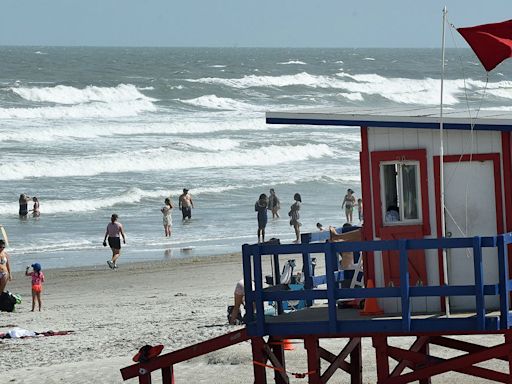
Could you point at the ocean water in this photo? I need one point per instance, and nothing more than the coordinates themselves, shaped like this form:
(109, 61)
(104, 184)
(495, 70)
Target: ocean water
(92, 131)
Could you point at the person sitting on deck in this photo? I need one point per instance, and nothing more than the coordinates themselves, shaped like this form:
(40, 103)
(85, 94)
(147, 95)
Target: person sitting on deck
(347, 258)
(235, 317)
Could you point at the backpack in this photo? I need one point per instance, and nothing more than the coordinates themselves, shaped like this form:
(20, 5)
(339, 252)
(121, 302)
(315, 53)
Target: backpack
(8, 300)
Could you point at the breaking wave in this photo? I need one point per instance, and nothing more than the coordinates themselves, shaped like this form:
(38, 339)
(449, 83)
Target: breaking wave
(64, 94)
(91, 110)
(400, 90)
(161, 159)
(221, 103)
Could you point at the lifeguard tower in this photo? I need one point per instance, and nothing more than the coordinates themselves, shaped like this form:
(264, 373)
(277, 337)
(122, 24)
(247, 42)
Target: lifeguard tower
(404, 254)
(400, 178)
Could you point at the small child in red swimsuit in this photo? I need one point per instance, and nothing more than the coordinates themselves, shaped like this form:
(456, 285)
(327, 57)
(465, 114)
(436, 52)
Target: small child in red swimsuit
(37, 284)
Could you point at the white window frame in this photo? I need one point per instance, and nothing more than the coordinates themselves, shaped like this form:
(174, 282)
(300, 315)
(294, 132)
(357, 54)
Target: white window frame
(400, 193)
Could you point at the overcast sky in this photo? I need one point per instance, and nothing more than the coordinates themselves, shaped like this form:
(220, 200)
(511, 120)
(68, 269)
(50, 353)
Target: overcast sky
(240, 23)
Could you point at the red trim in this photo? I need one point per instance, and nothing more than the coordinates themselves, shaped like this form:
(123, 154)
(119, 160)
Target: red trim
(417, 266)
(507, 189)
(400, 155)
(364, 161)
(495, 158)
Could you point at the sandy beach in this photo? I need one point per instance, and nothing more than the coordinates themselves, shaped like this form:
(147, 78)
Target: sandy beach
(113, 313)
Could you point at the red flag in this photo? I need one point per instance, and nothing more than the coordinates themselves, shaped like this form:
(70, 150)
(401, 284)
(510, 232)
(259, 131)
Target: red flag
(492, 43)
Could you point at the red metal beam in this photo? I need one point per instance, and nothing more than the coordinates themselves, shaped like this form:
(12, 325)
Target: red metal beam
(461, 345)
(380, 343)
(167, 375)
(187, 353)
(415, 347)
(258, 355)
(280, 372)
(417, 359)
(278, 351)
(460, 363)
(311, 344)
(338, 362)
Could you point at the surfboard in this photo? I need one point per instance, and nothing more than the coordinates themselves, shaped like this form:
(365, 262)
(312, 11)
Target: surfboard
(4, 235)
(187, 248)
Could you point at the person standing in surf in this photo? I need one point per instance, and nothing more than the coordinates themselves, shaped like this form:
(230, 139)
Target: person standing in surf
(113, 232)
(261, 208)
(274, 204)
(166, 211)
(186, 204)
(35, 209)
(23, 200)
(294, 216)
(348, 202)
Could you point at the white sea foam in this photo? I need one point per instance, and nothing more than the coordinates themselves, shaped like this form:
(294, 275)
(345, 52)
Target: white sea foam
(369, 59)
(296, 62)
(64, 94)
(97, 129)
(248, 81)
(222, 103)
(160, 159)
(213, 144)
(400, 90)
(217, 66)
(356, 96)
(91, 110)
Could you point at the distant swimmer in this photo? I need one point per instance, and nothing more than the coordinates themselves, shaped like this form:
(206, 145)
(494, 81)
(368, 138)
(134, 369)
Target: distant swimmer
(35, 208)
(186, 204)
(295, 216)
(261, 208)
(113, 232)
(274, 205)
(23, 200)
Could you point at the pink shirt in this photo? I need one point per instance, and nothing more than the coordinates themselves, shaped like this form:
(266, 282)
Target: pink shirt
(37, 278)
(113, 229)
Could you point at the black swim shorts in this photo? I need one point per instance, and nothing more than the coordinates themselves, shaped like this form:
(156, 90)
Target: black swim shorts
(186, 212)
(114, 242)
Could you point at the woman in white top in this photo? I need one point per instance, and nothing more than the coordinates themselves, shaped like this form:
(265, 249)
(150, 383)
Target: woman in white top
(167, 219)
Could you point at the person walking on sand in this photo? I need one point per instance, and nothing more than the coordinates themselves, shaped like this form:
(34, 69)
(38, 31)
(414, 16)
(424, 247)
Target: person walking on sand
(114, 230)
(5, 267)
(261, 208)
(35, 208)
(37, 284)
(360, 210)
(348, 202)
(166, 211)
(274, 204)
(23, 200)
(295, 216)
(186, 204)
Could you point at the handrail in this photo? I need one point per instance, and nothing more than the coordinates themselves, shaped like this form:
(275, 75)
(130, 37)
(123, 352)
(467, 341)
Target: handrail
(171, 358)
(253, 255)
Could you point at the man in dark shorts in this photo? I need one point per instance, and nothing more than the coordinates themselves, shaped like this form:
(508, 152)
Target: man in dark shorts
(186, 204)
(114, 229)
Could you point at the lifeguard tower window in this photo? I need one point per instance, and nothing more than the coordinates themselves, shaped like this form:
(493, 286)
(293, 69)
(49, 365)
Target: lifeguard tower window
(401, 189)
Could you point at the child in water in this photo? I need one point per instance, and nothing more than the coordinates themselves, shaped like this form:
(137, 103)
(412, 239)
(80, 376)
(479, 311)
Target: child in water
(37, 284)
(360, 209)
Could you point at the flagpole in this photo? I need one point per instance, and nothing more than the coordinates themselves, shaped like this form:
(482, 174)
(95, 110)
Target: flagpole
(441, 169)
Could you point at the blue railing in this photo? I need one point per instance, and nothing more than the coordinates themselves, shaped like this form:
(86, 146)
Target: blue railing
(259, 325)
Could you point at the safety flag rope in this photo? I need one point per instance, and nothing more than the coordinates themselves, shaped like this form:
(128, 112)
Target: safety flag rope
(297, 375)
